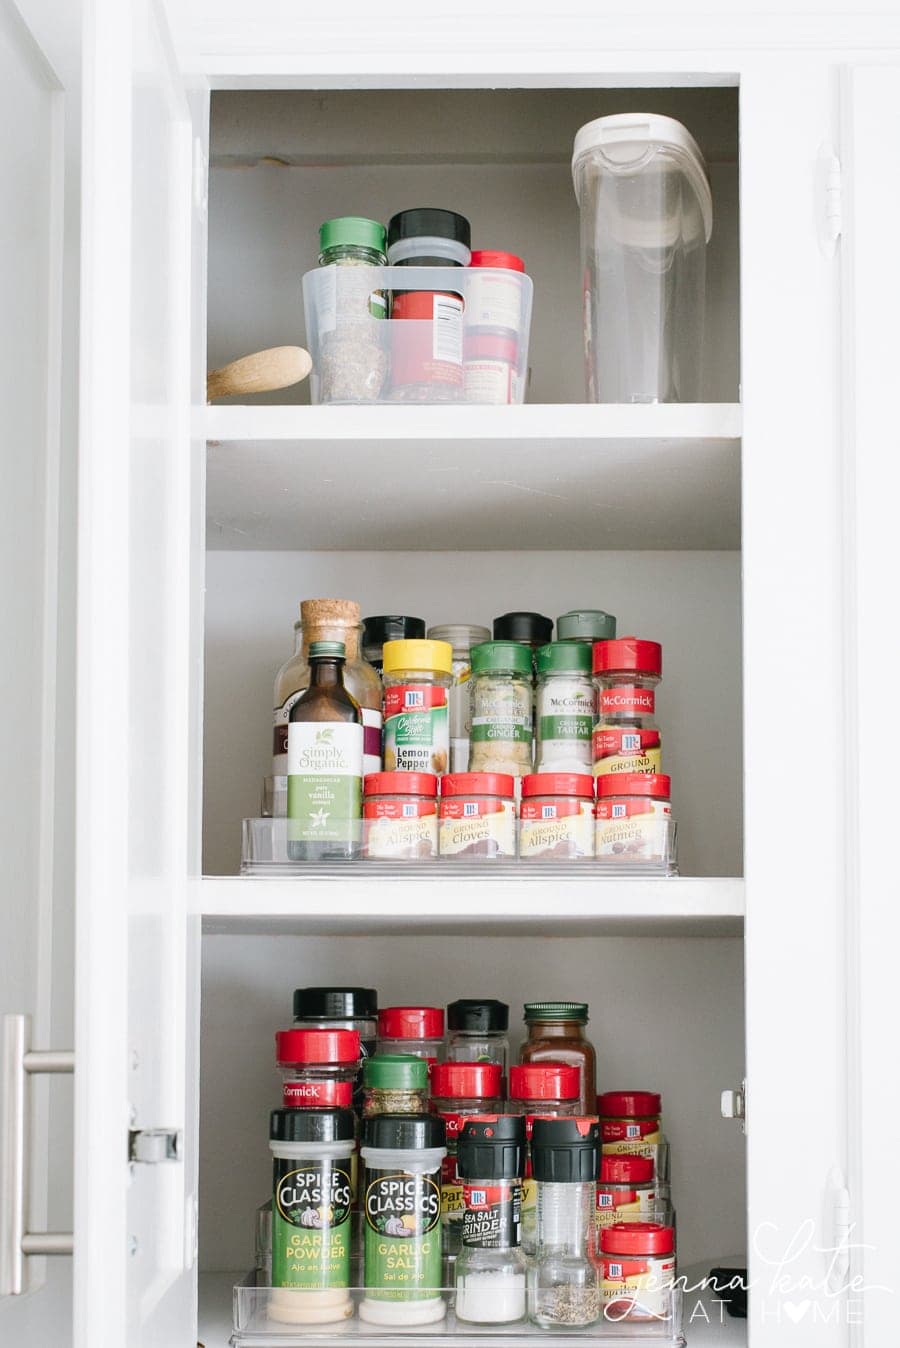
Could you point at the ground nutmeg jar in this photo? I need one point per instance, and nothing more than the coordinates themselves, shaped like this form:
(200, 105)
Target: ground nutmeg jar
(634, 818)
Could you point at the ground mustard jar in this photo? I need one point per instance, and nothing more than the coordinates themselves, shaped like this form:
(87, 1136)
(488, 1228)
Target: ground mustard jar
(556, 817)
(417, 679)
(626, 736)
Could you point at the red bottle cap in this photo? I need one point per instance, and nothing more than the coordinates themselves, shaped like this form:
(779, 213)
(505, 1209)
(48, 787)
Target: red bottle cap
(655, 784)
(477, 784)
(400, 784)
(626, 1169)
(544, 1081)
(466, 1080)
(629, 1104)
(629, 654)
(411, 1022)
(488, 257)
(637, 1238)
(316, 1046)
(558, 784)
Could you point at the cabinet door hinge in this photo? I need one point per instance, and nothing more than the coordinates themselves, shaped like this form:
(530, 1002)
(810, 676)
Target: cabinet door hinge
(733, 1105)
(830, 211)
(149, 1146)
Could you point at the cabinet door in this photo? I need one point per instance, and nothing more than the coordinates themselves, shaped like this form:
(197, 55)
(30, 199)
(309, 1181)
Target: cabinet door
(135, 1222)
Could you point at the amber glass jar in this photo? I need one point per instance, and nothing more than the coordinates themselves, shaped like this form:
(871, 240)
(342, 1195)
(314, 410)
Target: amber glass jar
(556, 1033)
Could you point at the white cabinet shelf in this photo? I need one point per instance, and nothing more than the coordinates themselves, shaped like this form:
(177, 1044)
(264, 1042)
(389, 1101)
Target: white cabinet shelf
(473, 902)
(537, 476)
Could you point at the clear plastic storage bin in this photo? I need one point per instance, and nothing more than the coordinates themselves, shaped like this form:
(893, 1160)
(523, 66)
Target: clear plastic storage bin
(646, 218)
(440, 344)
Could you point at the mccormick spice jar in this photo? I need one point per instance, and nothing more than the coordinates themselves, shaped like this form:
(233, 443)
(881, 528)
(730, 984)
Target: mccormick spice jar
(353, 358)
(556, 1033)
(417, 677)
(626, 1189)
(395, 1083)
(556, 817)
(477, 1031)
(565, 707)
(585, 624)
(634, 818)
(340, 1009)
(388, 627)
(427, 325)
(636, 1271)
(491, 367)
(478, 816)
(501, 700)
(400, 820)
(494, 294)
(460, 1090)
(490, 1267)
(318, 1067)
(626, 736)
(548, 1090)
(462, 637)
(631, 1125)
(418, 1030)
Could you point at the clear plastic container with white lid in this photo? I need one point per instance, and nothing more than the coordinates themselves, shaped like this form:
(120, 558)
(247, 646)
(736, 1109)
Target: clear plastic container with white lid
(646, 218)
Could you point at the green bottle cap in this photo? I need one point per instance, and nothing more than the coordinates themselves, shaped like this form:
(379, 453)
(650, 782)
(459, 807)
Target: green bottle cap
(334, 649)
(396, 1072)
(586, 624)
(564, 657)
(355, 230)
(493, 656)
(556, 1011)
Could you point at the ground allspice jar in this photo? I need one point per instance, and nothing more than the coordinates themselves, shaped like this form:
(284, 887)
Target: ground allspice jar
(626, 737)
(400, 819)
(556, 1033)
(556, 816)
(636, 1271)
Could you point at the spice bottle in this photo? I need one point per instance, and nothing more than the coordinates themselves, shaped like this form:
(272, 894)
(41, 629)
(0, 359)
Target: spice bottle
(312, 1196)
(626, 1190)
(634, 818)
(427, 352)
(550, 1090)
(477, 1031)
(340, 1009)
(400, 816)
(477, 816)
(631, 1125)
(395, 1083)
(530, 629)
(418, 1030)
(460, 1090)
(556, 817)
(556, 1033)
(353, 360)
(462, 637)
(318, 1067)
(417, 677)
(563, 1281)
(388, 627)
(490, 1267)
(325, 760)
(402, 1210)
(329, 620)
(626, 737)
(494, 295)
(586, 624)
(501, 701)
(636, 1271)
(565, 707)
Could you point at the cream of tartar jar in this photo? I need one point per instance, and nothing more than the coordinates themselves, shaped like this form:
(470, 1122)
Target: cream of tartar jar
(556, 817)
(478, 816)
(400, 820)
(634, 817)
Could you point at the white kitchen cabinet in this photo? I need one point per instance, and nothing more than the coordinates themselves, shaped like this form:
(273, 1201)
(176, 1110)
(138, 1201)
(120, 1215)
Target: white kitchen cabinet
(725, 529)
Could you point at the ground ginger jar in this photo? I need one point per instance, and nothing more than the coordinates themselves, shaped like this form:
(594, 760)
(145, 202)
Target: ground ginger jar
(626, 737)
(400, 821)
(501, 704)
(556, 817)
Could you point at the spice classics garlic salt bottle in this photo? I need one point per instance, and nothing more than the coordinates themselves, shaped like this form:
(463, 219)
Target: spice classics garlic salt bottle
(325, 761)
(490, 1267)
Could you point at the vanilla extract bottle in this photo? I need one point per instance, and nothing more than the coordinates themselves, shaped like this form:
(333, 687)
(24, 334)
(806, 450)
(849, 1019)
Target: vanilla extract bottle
(325, 763)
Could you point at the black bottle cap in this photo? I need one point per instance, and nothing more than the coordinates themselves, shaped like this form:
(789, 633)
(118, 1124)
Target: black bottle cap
(335, 1004)
(478, 1015)
(565, 1151)
(429, 222)
(492, 1147)
(312, 1125)
(404, 1132)
(392, 627)
(532, 628)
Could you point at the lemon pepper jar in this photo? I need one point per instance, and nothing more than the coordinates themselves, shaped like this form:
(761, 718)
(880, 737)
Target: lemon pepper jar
(626, 737)
(418, 675)
(501, 699)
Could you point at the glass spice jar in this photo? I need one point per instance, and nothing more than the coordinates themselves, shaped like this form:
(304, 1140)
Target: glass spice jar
(634, 818)
(556, 816)
(556, 1033)
(388, 627)
(549, 1090)
(626, 1190)
(586, 624)
(490, 1267)
(462, 637)
(477, 815)
(636, 1271)
(501, 699)
(340, 1009)
(631, 1125)
(477, 1031)
(562, 1291)
(565, 707)
(395, 1083)
(400, 820)
(353, 359)
(626, 737)
(318, 1067)
(427, 325)
(417, 679)
(460, 1090)
(416, 1030)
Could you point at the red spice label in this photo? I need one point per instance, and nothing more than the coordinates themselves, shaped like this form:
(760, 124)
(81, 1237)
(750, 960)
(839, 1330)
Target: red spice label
(457, 807)
(563, 807)
(427, 340)
(627, 701)
(408, 808)
(317, 1094)
(629, 1130)
(609, 743)
(410, 698)
(454, 1125)
(628, 808)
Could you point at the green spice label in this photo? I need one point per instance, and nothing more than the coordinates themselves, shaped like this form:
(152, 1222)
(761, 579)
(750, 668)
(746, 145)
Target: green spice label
(515, 729)
(325, 761)
(402, 1235)
(416, 728)
(566, 727)
(311, 1223)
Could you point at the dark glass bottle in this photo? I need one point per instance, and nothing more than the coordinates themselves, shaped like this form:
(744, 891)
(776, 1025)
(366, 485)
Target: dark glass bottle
(325, 763)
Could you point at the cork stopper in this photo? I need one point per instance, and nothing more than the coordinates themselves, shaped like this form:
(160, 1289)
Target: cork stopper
(331, 620)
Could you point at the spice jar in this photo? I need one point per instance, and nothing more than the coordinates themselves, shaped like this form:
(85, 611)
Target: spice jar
(491, 368)
(416, 1030)
(548, 1089)
(400, 821)
(427, 353)
(529, 629)
(626, 737)
(494, 295)
(586, 624)
(353, 351)
(490, 1267)
(318, 1067)
(395, 1083)
(477, 1031)
(562, 1287)
(477, 815)
(626, 1189)
(388, 627)
(402, 1209)
(634, 818)
(417, 677)
(565, 707)
(556, 817)
(636, 1271)
(340, 1009)
(312, 1196)
(458, 1091)
(556, 1033)
(462, 637)
(631, 1125)
(501, 698)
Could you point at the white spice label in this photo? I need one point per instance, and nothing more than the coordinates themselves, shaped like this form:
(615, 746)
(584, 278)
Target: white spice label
(447, 329)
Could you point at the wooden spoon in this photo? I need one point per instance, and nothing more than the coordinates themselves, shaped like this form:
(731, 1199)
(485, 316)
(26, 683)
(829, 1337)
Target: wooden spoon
(276, 368)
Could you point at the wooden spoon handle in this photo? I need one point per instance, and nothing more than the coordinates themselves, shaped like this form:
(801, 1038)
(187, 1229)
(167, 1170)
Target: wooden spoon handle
(263, 371)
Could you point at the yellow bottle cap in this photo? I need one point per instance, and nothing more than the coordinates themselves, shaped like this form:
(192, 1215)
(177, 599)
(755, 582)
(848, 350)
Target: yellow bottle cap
(433, 656)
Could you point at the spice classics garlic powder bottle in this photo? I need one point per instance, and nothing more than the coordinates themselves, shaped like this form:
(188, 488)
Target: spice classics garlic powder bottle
(325, 762)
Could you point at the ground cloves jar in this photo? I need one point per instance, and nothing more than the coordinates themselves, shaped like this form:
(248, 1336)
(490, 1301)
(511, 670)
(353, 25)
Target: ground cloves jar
(477, 816)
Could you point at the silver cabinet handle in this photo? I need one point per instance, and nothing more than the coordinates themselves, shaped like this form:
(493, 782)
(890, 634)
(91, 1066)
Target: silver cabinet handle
(16, 1242)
